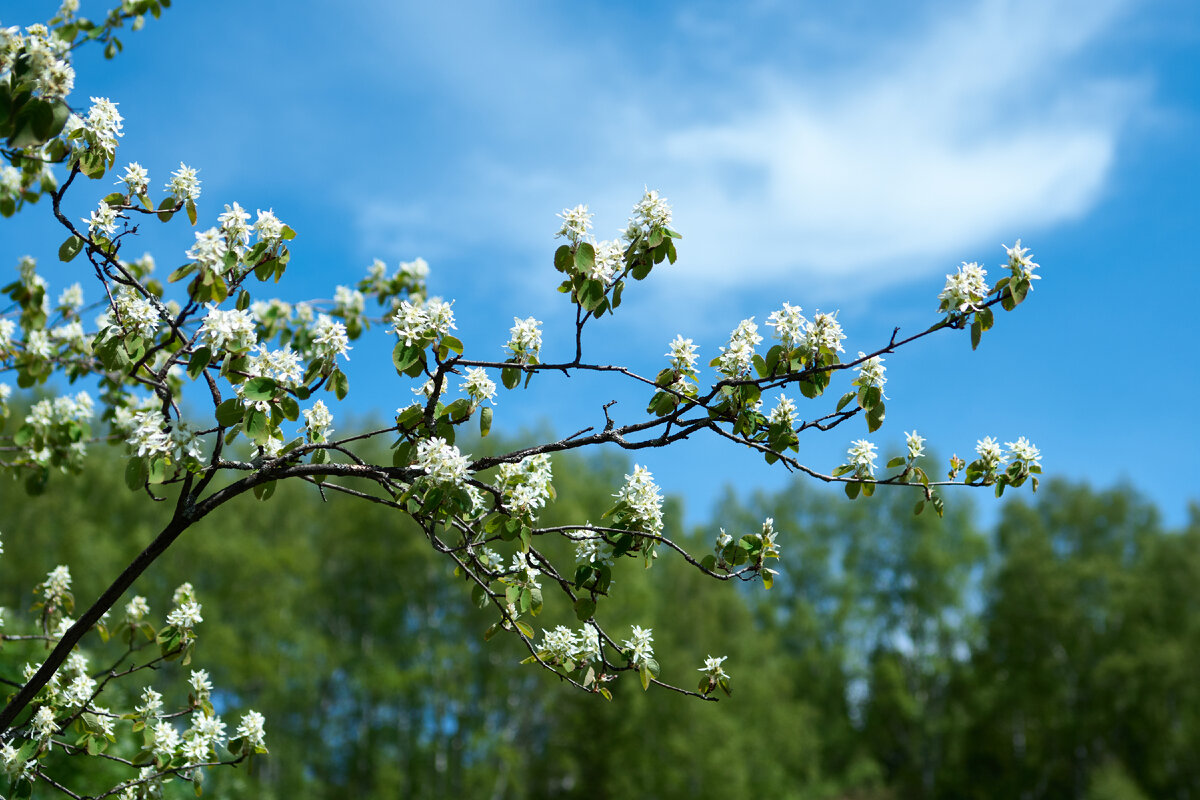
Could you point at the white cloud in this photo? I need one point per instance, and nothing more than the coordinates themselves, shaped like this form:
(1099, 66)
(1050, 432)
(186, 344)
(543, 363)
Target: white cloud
(978, 125)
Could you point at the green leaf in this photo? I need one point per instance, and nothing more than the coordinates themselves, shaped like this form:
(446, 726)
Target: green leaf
(644, 675)
(524, 628)
(452, 343)
(261, 388)
(198, 362)
(510, 377)
(135, 473)
(290, 408)
(182, 272)
(230, 412)
(563, 259)
(340, 384)
(898, 461)
(404, 356)
(190, 207)
(585, 258)
(875, 417)
(852, 490)
(166, 209)
(485, 420)
(70, 248)
(256, 426)
(585, 607)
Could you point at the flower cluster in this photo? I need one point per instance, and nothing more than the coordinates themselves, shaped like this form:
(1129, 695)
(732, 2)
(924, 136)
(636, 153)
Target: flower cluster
(862, 458)
(525, 340)
(102, 126)
(46, 60)
(735, 359)
(870, 374)
(442, 462)
(1019, 262)
(184, 185)
(565, 646)
(649, 214)
(521, 572)
(329, 338)
(824, 333)
(643, 501)
(135, 314)
(151, 438)
(318, 422)
(638, 646)
(135, 178)
(789, 325)
(231, 330)
(209, 250)
(423, 323)
(916, 446)
(577, 222)
(527, 484)
(784, 413)
(965, 290)
(479, 387)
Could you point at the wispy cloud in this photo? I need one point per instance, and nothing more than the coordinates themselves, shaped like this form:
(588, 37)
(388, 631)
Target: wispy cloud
(979, 124)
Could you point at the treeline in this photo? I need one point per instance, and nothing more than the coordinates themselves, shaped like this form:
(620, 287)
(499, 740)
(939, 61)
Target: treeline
(1054, 656)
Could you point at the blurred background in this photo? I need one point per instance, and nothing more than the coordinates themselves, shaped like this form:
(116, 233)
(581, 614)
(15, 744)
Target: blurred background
(836, 156)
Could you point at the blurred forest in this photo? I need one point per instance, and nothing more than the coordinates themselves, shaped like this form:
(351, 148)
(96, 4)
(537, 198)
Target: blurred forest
(1054, 656)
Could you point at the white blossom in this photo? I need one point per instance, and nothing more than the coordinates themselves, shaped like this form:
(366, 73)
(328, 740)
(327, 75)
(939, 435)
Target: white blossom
(251, 729)
(150, 704)
(639, 645)
(650, 213)
(185, 615)
(135, 178)
(1023, 450)
(870, 373)
(103, 220)
(576, 224)
(200, 683)
(57, 584)
(643, 499)
(682, 355)
(318, 422)
(989, 453)
(559, 644)
(784, 412)
(184, 185)
(1019, 262)
(862, 458)
(330, 338)
(736, 358)
(823, 332)
(209, 249)
(713, 667)
(526, 484)
(268, 227)
(610, 260)
(441, 462)
(916, 445)
(966, 289)
(231, 330)
(525, 340)
(789, 325)
(233, 225)
(479, 387)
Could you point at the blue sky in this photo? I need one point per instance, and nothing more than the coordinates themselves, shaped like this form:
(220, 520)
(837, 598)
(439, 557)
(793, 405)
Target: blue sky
(836, 156)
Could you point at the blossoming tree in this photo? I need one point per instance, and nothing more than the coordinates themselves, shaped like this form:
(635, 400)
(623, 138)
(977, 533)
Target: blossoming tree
(216, 391)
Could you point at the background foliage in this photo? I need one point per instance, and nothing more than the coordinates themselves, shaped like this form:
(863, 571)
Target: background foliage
(898, 656)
